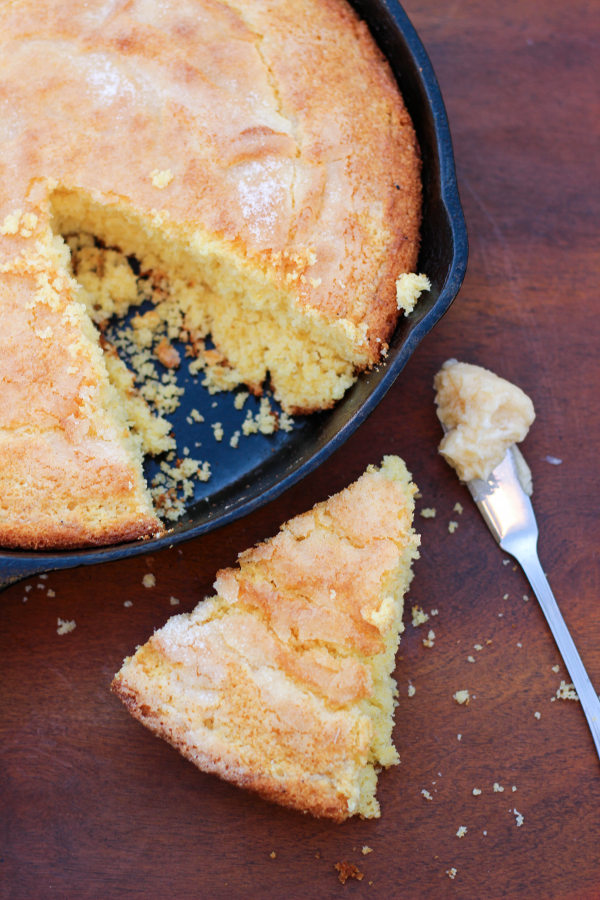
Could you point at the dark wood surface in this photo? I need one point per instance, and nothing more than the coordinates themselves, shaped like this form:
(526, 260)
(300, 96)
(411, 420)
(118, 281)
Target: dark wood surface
(92, 805)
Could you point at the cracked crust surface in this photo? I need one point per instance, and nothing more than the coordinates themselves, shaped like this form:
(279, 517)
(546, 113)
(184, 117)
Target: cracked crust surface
(282, 682)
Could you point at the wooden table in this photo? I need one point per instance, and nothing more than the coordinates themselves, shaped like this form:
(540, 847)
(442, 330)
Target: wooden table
(92, 805)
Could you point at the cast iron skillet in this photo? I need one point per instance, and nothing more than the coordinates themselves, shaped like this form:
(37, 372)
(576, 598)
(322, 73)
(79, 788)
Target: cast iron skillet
(263, 467)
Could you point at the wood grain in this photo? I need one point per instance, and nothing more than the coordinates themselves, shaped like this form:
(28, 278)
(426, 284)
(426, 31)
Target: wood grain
(93, 806)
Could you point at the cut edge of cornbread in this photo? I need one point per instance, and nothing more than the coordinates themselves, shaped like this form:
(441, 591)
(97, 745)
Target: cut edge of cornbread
(251, 312)
(282, 682)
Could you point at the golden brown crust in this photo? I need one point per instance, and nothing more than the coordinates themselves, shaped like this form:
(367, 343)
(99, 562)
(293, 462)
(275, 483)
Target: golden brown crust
(281, 683)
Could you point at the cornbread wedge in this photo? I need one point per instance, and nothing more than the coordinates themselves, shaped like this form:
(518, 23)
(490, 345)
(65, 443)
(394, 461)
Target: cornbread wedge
(281, 683)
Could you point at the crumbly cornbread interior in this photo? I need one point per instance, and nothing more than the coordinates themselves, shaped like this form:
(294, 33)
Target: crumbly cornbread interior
(258, 327)
(282, 682)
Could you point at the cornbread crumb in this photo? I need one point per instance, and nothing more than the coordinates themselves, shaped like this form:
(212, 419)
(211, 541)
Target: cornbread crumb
(234, 440)
(458, 508)
(498, 789)
(217, 428)
(429, 512)
(471, 659)
(50, 593)
(462, 697)
(419, 617)
(537, 714)
(173, 601)
(556, 669)
(161, 178)
(149, 580)
(272, 854)
(434, 612)
(478, 647)
(409, 288)
(426, 794)
(240, 398)
(411, 689)
(348, 870)
(459, 737)
(451, 873)
(476, 792)
(513, 788)
(429, 641)
(366, 849)
(461, 831)
(566, 692)
(452, 526)
(65, 626)
(128, 603)
(519, 817)
(167, 354)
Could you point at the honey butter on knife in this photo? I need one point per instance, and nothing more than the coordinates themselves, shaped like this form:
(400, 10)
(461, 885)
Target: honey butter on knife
(482, 415)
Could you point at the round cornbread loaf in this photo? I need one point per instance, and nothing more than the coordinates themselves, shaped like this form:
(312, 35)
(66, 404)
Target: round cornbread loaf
(260, 155)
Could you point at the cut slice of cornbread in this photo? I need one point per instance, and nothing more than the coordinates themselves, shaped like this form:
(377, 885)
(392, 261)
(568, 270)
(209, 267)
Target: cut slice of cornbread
(282, 683)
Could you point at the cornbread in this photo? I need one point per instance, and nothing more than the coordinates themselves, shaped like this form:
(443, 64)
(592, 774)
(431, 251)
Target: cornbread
(281, 683)
(483, 415)
(258, 163)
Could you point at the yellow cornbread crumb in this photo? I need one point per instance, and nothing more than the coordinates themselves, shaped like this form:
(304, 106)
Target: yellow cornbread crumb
(218, 431)
(149, 580)
(451, 873)
(65, 626)
(452, 526)
(498, 789)
(430, 639)
(429, 512)
(419, 617)
(462, 697)
(366, 849)
(566, 692)
(409, 288)
(426, 794)
(462, 830)
(519, 818)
